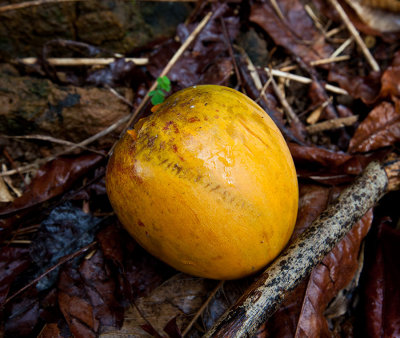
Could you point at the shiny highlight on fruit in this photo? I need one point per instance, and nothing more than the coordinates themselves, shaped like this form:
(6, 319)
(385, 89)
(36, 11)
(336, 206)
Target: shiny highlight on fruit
(206, 183)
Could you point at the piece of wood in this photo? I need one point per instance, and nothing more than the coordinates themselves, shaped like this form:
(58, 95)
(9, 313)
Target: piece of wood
(262, 299)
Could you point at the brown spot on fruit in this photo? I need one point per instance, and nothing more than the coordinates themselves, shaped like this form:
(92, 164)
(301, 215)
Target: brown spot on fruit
(175, 148)
(193, 119)
(140, 223)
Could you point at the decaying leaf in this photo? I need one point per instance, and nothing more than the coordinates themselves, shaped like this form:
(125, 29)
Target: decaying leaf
(381, 128)
(382, 295)
(296, 31)
(53, 179)
(66, 230)
(302, 314)
(12, 262)
(179, 297)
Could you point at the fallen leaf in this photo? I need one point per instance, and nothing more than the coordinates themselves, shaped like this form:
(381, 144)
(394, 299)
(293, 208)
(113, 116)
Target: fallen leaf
(296, 31)
(66, 230)
(391, 79)
(321, 156)
(53, 179)
(334, 273)
(302, 314)
(379, 129)
(22, 317)
(382, 295)
(13, 261)
(179, 297)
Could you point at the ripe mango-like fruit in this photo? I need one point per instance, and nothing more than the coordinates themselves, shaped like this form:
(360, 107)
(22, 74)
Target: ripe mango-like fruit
(206, 183)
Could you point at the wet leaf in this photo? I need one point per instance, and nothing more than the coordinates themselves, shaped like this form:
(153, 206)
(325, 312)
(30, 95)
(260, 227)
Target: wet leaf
(296, 31)
(13, 261)
(137, 271)
(380, 128)
(302, 314)
(22, 317)
(321, 156)
(179, 297)
(66, 230)
(53, 179)
(365, 88)
(88, 297)
(391, 79)
(334, 273)
(382, 295)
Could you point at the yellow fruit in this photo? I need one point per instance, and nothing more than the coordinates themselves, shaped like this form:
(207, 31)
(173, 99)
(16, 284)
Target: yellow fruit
(206, 183)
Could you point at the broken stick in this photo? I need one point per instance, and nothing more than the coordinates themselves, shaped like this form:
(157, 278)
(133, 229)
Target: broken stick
(262, 299)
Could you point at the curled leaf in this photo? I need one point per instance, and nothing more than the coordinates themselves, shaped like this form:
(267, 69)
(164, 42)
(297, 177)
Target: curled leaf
(380, 128)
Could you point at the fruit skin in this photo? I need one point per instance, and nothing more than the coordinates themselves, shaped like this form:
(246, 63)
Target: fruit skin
(206, 183)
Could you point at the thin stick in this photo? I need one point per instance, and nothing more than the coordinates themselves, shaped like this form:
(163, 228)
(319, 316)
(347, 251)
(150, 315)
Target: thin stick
(332, 124)
(353, 31)
(342, 47)
(31, 4)
(77, 62)
(262, 299)
(60, 262)
(168, 67)
(277, 9)
(51, 139)
(123, 99)
(286, 106)
(330, 60)
(202, 308)
(231, 54)
(305, 80)
(72, 148)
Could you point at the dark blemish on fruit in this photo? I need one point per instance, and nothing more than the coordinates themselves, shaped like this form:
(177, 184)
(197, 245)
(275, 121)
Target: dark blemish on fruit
(205, 118)
(140, 223)
(162, 162)
(216, 188)
(193, 119)
(166, 127)
(147, 234)
(178, 168)
(205, 103)
(217, 110)
(150, 141)
(181, 158)
(175, 148)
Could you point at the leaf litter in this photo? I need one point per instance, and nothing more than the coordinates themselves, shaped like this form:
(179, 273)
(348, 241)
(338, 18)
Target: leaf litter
(117, 288)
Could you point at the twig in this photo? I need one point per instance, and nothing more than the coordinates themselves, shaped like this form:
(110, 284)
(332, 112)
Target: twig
(167, 68)
(316, 113)
(342, 47)
(123, 99)
(231, 54)
(277, 10)
(51, 139)
(202, 308)
(353, 31)
(286, 106)
(60, 262)
(262, 299)
(76, 62)
(331, 59)
(26, 4)
(304, 80)
(332, 124)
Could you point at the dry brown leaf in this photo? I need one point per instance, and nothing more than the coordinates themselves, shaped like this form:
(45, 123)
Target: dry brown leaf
(381, 128)
(376, 18)
(181, 296)
(334, 273)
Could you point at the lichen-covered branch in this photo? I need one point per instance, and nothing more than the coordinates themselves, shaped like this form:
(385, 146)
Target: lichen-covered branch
(296, 262)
